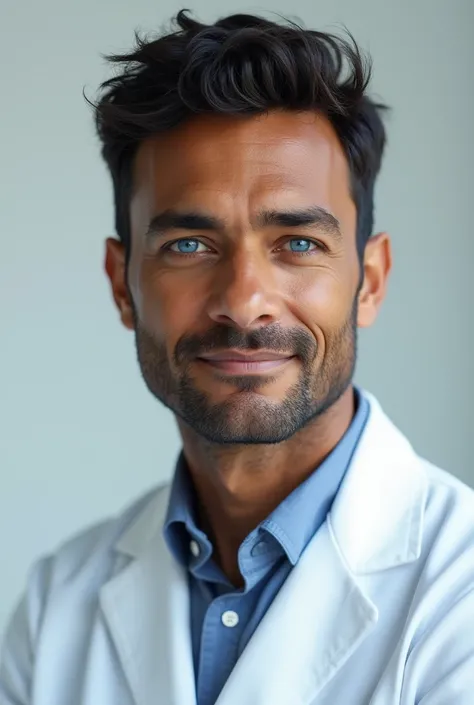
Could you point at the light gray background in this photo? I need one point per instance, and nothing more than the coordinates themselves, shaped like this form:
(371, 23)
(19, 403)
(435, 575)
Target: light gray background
(79, 434)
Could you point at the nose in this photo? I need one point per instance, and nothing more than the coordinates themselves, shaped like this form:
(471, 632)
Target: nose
(245, 293)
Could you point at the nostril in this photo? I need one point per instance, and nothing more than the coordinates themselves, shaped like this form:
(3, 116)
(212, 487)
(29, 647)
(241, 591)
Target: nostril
(244, 309)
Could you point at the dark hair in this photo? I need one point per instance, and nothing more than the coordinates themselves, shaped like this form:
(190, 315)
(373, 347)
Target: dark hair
(241, 65)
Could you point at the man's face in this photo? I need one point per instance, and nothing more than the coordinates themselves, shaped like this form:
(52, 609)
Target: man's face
(243, 273)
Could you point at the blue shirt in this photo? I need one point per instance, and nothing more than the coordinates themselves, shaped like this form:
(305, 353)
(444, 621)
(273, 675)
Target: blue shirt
(223, 618)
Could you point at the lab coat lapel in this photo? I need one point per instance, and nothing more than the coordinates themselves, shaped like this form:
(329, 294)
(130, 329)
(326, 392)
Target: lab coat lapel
(323, 612)
(315, 623)
(146, 608)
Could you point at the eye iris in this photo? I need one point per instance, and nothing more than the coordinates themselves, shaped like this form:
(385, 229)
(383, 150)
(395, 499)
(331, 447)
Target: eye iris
(187, 246)
(299, 245)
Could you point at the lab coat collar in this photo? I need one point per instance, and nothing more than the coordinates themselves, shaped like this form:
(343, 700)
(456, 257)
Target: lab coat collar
(318, 618)
(377, 516)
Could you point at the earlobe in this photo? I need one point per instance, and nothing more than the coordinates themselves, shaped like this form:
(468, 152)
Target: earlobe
(115, 268)
(377, 267)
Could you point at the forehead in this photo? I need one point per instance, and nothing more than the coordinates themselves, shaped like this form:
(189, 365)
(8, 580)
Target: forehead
(244, 162)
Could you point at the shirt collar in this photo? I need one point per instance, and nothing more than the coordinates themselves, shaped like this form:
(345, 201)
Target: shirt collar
(181, 525)
(293, 523)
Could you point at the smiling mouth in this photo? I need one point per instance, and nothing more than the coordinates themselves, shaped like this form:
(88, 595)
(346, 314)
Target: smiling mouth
(234, 363)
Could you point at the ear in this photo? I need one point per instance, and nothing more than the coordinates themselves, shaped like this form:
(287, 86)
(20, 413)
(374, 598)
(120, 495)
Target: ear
(377, 266)
(115, 267)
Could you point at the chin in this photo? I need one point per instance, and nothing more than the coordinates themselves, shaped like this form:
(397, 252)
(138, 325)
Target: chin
(247, 418)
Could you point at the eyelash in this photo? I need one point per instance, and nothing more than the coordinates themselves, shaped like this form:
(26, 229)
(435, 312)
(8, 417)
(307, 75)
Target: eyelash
(318, 247)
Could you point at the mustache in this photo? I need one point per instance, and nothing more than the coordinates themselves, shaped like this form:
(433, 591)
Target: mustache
(288, 341)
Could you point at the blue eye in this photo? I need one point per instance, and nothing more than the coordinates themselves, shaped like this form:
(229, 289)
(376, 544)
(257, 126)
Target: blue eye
(186, 246)
(300, 245)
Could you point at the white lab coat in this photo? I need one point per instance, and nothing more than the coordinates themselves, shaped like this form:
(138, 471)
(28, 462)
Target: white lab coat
(378, 611)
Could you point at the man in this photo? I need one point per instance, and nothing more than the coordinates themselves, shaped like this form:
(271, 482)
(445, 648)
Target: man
(304, 554)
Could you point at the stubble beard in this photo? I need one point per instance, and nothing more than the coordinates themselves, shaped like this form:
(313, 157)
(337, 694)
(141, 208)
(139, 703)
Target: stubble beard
(246, 416)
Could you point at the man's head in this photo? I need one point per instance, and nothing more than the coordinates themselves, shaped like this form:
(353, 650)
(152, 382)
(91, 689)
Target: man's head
(243, 156)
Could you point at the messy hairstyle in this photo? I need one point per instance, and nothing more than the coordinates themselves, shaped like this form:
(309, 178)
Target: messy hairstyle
(240, 65)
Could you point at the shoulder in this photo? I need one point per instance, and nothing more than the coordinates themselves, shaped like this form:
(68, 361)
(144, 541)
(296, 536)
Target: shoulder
(442, 606)
(448, 525)
(446, 482)
(449, 501)
(65, 585)
(92, 551)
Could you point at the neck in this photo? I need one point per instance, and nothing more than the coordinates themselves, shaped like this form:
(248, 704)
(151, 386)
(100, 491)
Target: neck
(239, 486)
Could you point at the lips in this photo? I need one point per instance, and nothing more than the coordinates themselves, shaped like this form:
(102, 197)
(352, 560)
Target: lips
(236, 362)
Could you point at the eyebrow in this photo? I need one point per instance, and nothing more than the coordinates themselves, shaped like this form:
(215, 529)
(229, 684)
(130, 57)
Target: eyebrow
(194, 221)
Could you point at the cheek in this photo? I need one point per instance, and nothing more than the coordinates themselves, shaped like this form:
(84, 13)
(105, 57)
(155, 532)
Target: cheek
(171, 303)
(322, 299)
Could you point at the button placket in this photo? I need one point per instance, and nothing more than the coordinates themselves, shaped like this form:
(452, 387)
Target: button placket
(219, 648)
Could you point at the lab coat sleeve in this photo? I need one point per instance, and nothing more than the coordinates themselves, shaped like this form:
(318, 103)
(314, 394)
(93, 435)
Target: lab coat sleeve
(17, 656)
(442, 663)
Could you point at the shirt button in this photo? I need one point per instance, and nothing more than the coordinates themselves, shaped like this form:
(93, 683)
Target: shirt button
(230, 619)
(195, 548)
